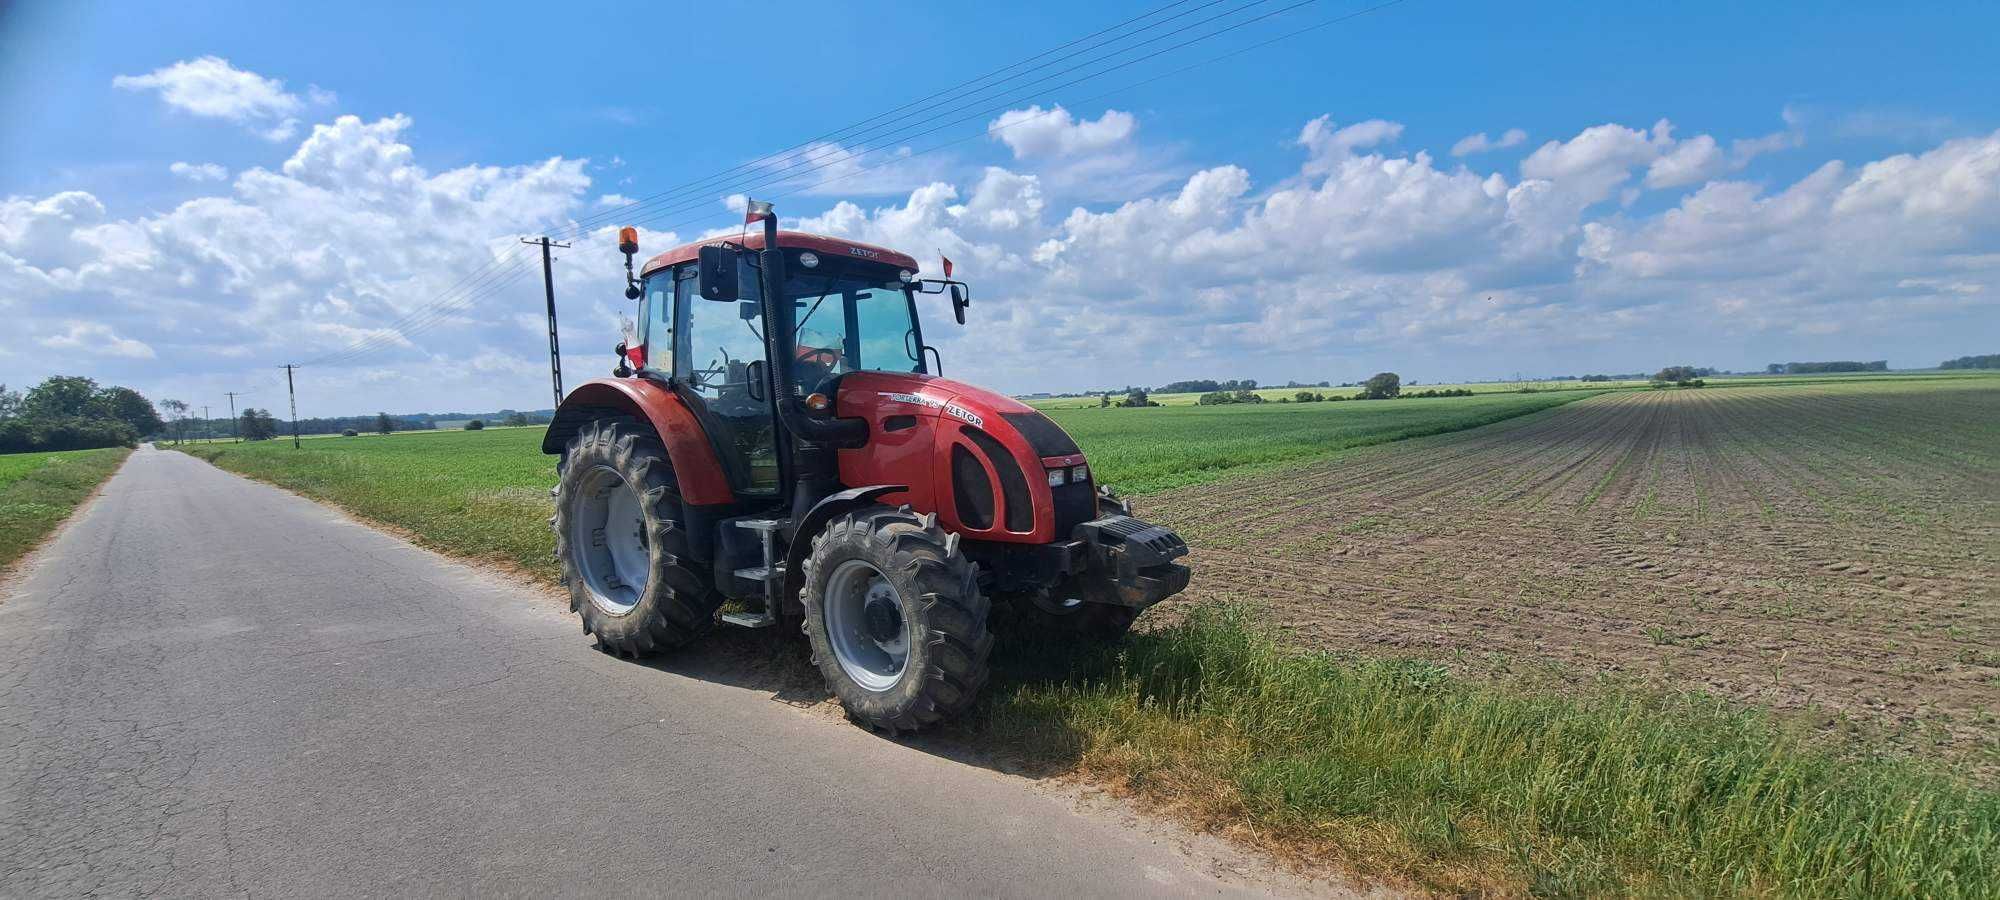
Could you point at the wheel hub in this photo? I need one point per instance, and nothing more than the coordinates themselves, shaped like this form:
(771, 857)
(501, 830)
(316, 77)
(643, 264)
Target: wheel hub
(865, 625)
(885, 619)
(608, 539)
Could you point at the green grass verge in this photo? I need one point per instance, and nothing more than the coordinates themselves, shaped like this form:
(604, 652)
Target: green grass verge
(1400, 769)
(39, 490)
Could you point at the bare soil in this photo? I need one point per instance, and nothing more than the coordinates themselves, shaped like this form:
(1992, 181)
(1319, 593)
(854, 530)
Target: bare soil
(1830, 551)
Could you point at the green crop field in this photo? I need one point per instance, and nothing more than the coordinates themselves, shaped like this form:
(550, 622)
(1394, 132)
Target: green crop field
(39, 490)
(1144, 451)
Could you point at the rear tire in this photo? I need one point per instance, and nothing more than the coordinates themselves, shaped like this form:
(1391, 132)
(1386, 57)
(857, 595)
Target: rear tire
(896, 618)
(619, 539)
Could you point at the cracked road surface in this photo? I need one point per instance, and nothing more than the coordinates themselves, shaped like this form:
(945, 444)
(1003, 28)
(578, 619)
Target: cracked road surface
(211, 687)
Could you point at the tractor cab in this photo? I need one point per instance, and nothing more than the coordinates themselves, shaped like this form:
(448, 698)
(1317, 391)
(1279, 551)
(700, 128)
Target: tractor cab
(777, 441)
(702, 327)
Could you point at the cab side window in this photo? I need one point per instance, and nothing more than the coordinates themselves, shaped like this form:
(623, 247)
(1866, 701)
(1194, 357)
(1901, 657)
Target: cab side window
(657, 320)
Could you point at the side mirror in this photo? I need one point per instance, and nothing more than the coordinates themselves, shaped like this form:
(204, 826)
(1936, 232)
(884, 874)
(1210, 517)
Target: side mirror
(959, 302)
(718, 272)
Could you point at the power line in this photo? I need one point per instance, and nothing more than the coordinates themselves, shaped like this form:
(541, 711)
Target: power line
(288, 367)
(1219, 57)
(235, 427)
(470, 282)
(911, 107)
(549, 285)
(902, 133)
(474, 286)
(419, 319)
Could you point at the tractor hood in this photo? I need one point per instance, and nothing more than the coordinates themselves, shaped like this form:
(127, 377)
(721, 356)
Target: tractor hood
(989, 465)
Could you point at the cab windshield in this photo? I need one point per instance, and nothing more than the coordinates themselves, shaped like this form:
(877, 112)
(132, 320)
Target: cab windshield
(851, 317)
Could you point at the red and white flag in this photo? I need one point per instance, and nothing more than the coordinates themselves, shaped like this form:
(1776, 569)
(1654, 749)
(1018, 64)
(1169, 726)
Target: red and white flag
(947, 263)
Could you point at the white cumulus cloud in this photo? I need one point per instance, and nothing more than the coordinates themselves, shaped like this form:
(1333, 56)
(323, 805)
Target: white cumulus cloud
(210, 87)
(96, 338)
(199, 171)
(1036, 133)
(1478, 143)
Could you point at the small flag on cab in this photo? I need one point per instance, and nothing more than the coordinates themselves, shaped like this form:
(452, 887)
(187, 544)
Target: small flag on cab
(947, 262)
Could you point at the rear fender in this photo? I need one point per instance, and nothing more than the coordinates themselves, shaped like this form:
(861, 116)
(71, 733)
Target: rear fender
(702, 481)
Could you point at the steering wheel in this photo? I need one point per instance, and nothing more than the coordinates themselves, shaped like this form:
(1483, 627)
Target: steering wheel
(824, 357)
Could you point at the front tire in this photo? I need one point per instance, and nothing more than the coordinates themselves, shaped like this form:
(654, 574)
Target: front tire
(620, 543)
(897, 622)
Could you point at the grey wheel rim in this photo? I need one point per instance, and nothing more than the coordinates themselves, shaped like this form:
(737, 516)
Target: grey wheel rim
(607, 532)
(865, 625)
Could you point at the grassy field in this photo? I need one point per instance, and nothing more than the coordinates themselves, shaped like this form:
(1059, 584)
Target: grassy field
(1144, 451)
(1534, 657)
(39, 490)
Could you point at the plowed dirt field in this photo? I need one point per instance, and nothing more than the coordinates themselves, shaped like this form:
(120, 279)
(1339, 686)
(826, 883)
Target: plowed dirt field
(1832, 550)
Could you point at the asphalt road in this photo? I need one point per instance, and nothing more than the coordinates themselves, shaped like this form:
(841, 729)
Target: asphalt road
(212, 687)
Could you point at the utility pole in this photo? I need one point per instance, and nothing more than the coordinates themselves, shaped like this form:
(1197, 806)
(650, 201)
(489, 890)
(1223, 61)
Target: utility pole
(235, 427)
(549, 287)
(295, 404)
(207, 424)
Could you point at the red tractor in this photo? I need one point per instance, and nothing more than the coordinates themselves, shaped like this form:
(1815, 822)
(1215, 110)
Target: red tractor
(775, 437)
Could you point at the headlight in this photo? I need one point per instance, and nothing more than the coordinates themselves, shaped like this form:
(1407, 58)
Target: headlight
(1056, 477)
(1080, 474)
(907, 276)
(809, 259)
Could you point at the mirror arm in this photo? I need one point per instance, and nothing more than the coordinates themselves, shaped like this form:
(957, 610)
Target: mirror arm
(933, 351)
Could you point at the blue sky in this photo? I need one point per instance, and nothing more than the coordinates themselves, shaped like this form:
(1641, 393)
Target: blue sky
(642, 103)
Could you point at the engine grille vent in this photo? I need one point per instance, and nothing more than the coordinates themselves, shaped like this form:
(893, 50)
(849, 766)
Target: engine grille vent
(1018, 507)
(971, 489)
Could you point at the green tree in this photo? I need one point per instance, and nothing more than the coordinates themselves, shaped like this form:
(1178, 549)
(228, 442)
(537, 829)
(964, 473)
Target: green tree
(257, 424)
(10, 403)
(1382, 386)
(515, 420)
(129, 406)
(476, 425)
(176, 417)
(1137, 397)
(61, 397)
(384, 424)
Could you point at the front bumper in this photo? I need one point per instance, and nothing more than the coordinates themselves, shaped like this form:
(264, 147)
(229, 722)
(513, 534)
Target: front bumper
(1127, 562)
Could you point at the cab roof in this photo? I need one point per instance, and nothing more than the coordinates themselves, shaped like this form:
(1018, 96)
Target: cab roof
(818, 243)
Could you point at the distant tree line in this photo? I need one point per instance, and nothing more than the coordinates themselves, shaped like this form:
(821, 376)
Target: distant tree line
(1206, 385)
(70, 412)
(1821, 368)
(417, 421)
(1989, 361)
